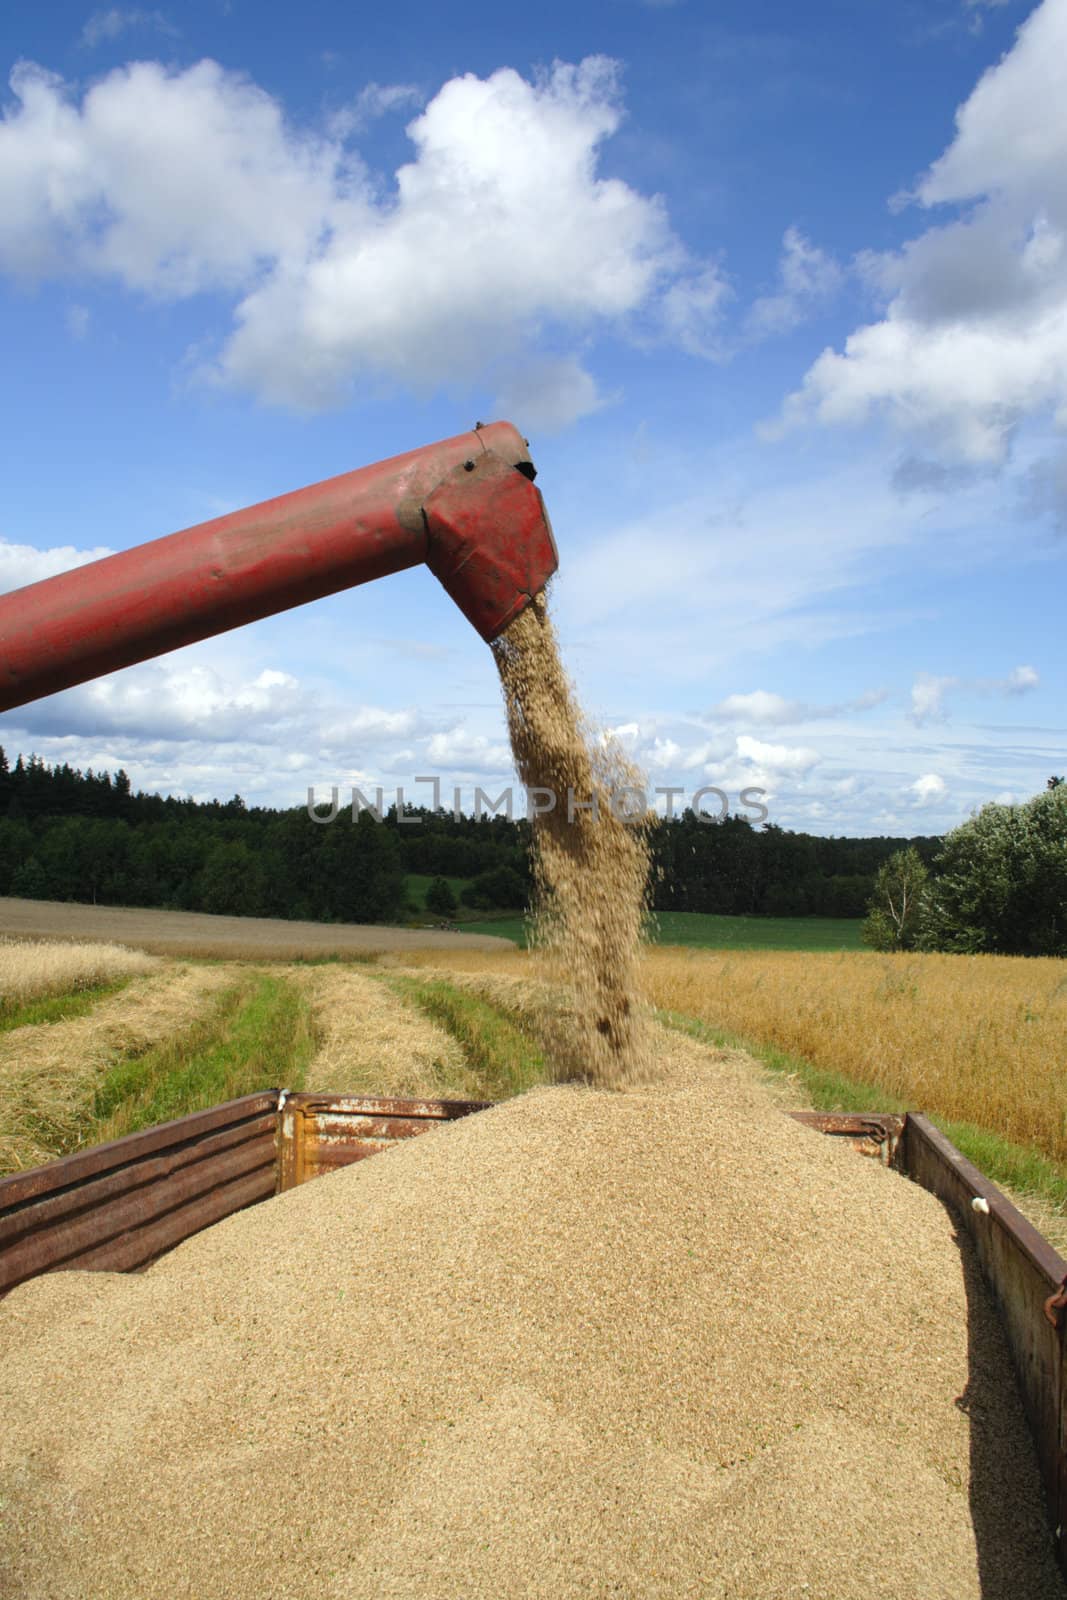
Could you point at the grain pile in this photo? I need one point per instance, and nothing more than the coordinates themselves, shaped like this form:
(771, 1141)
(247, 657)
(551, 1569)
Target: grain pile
(590, 864)
(580, 1346)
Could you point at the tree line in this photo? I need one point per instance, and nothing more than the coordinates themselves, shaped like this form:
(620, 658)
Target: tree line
(88, 836)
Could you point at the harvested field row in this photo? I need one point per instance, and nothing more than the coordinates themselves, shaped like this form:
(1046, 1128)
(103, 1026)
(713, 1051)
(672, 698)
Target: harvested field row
(374, 1044)
(554, 1349)
(49, 1074)
(257, 1034)
(193, 1036)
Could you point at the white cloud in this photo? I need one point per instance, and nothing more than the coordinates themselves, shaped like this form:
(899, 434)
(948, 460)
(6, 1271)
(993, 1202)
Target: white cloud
(776, 758)
(863, 702)
(374, 101)
(21, 564)
(773, 710)
(176, 699)
(499, 228)
(759, 706)
(928, 698)
(928, 691)
(663, 755)
(498, 224)
(104, 25)
(708, 756)
(692, 310)
(466, 751)
(170, 182)
(807, 277)
(548, 394)
(974, 337)
(928, 789)
(1020, 679)
(374, 722)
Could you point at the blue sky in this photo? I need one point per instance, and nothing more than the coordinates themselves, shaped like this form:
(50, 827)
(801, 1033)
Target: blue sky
(779, 295)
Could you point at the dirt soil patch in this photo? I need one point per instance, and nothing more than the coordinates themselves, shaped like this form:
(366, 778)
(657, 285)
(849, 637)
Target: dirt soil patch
(234, 938)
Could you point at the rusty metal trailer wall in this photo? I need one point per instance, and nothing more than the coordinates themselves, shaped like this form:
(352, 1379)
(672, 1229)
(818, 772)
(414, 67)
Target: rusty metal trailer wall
(119, 1206)
(319, 1133)
(1026, 1277)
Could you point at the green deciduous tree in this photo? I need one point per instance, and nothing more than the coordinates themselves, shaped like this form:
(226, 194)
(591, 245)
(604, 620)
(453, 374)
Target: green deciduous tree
(896, 911)
(1000, 881)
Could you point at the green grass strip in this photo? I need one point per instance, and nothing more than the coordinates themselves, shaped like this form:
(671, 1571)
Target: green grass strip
(707, 931)
(1014, 1166)
(1020, 1168)
(56, 1007)
(258, 1035)
(516, 928)
(506, 1059)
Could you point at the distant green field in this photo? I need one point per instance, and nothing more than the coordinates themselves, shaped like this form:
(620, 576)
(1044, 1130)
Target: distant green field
(758, 933)
(417, 883)
(723, 933)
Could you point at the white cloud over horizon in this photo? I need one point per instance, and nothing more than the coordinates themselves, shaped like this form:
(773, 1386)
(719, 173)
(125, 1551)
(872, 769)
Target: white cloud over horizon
(929, 691)
(928, 789)
(974, 337)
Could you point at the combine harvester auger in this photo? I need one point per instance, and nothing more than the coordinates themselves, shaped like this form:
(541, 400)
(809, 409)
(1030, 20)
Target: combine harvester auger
(467, 507)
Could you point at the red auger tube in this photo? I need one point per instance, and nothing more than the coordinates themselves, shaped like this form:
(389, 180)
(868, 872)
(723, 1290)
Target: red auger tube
(466, 506)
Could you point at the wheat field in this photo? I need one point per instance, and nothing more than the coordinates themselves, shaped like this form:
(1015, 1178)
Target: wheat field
(31, 970)
(969, 1038)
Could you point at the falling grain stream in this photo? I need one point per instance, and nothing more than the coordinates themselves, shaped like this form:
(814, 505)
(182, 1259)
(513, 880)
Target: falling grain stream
(590, 862)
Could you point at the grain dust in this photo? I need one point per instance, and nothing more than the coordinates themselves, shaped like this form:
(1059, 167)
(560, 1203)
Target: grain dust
(590, 864)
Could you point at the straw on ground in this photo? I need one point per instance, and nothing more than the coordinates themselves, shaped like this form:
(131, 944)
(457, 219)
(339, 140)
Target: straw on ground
(33, 969)
(49, 1073)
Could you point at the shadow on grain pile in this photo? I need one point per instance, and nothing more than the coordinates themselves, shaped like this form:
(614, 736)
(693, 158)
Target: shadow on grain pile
(583, 1345)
